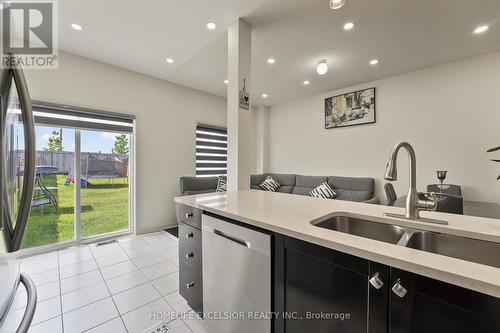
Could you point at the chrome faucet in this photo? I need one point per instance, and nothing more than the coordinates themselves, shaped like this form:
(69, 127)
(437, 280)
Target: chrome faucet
(413, 204)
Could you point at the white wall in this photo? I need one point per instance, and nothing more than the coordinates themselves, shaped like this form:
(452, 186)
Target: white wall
(166, 117)
(449, 113)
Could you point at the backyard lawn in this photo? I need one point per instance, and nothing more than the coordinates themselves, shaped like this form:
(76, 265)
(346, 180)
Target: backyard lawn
(104, 208)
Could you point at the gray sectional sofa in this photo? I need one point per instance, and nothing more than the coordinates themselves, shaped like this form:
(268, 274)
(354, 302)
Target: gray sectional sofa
(347, 188)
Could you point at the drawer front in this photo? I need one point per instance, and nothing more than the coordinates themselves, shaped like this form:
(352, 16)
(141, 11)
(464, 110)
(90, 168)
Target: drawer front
(189, 215)
(190, 256)
(190, 235)
(191, 287)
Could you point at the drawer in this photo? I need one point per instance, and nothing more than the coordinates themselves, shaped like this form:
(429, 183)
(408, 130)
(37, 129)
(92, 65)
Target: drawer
(189, 215)
(190, 256)
(191, 287)
(190, 235)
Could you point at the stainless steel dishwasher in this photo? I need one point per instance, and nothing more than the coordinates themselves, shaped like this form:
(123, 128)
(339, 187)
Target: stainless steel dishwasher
(236, 277)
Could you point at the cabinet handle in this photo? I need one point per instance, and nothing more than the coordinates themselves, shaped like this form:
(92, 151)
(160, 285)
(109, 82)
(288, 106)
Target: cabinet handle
(189, 235)
(376, 281)
(190, 285)
(398, 289)
(188, 215)
(189, 255)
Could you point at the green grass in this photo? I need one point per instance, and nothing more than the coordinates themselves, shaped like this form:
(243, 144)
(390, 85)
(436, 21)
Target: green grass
(104, 208)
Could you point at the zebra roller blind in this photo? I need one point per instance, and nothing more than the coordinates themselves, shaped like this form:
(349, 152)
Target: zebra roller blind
(211, 151)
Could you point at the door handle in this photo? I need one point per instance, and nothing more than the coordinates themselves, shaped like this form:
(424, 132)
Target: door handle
(189, 215)
(232, 238)
(189, 255)
(376, 281)
(190, 285)
(189, 235)
(398, 289)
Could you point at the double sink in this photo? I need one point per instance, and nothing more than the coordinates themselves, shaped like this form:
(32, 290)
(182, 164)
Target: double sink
(469, 249)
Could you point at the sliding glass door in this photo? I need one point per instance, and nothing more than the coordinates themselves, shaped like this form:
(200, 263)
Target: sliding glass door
(83, 176)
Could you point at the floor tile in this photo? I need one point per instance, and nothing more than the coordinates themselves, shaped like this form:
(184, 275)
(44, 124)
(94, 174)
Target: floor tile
(112, 259)
(104, 250)
(43, 292)
(44, 310)
(125, 281)
(167, 284)
(112, 326)
(135, 297)
(147, 316)
(84, 296)
(38, 258)
(79, 268)
(177, 302)
(140, 251)
(170, 253)
(178, 326)
(160, 269)
(128, 244)
(80, 281)
(73, 256)
(53, 325)
(196, 323)
(146, 261)
(118, 269)
(40, 267)
(45, 277)
(89, 316)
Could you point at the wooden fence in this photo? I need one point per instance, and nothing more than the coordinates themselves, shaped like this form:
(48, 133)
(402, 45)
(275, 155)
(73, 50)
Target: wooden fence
(64, 160)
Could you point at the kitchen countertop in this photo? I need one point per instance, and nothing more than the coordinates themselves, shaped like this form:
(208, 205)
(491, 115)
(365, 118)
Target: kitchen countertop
(291, 215)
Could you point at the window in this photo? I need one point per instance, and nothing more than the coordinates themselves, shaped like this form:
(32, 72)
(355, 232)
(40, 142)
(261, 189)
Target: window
(211, 151)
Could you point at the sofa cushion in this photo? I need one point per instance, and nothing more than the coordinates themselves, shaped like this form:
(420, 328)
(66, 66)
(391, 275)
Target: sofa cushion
(190, 192)
(352, 183)
(221, 184)
(305, 184)
(323, 191)
(269, 184)
(351, 195)
(198, 185)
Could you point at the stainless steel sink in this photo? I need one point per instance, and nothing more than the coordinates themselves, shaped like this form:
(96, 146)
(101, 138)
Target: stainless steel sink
(364, 228)
(482, 252)
(469, 249)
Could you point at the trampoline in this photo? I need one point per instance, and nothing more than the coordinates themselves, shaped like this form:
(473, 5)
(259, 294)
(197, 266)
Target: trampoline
(98, 167)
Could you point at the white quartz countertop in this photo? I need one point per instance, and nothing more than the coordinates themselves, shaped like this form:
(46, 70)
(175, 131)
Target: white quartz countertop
(291, 215)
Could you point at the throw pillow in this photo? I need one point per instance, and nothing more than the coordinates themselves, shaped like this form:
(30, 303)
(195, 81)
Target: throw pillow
(269, 184)
(323, 191)
(221, 184)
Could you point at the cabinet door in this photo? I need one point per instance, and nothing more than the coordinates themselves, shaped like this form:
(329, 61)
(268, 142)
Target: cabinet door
(329, 291)
(434, 306)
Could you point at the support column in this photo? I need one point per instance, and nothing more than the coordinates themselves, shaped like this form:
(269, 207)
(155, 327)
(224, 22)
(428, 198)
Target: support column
(238, 117)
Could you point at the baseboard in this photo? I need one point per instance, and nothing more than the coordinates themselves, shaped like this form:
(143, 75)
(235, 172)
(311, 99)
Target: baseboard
(156, 228)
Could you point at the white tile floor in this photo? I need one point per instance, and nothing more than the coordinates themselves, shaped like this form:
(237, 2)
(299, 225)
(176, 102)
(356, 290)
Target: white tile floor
(109, 288)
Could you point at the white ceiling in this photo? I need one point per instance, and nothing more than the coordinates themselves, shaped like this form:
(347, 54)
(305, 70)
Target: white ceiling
(404, 35)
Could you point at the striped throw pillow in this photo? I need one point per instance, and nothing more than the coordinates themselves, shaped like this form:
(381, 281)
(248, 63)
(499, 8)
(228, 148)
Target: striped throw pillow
(269, 184)
(323, 191)
(221, 184)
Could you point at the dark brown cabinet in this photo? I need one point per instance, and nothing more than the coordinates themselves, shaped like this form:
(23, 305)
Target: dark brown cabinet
(190, 256)
(312, 284)
(322, 290)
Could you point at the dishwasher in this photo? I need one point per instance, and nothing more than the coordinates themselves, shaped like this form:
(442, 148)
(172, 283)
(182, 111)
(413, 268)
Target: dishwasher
(236, 277)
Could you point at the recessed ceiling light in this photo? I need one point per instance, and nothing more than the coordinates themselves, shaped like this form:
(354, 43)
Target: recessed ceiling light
(170, 60)
(264, 95)
(348, 26)
(306, 83)
(76, 26)
(226, 81)
(211, 26)
(481, 29)
(271, 61)
(322, 67)
(374, 62)
(336, 4)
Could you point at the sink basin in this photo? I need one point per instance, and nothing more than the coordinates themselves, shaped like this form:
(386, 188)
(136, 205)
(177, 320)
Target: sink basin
(364, 228)
(481, 252)
(469, 249)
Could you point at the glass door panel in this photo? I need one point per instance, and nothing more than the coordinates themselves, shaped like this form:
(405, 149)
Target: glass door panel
(52, 210)
(104, 182)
